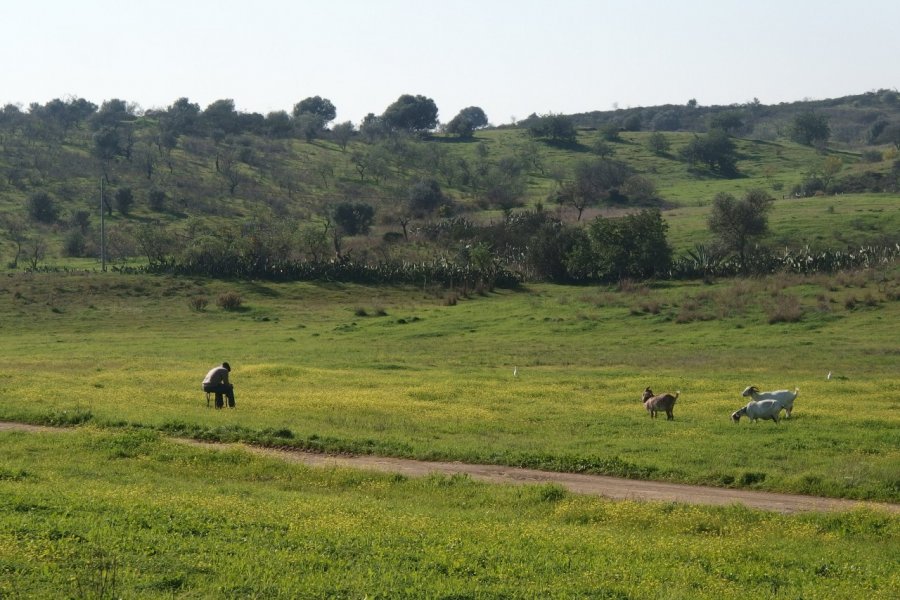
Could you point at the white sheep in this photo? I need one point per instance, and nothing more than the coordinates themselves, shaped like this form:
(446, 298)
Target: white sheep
(785, 397)
(759, 409)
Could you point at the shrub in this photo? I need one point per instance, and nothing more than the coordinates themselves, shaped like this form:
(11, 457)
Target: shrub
(198, 303)
(42, 208)
(156, 199)
(229, 301)
(124, 200)
(784, 309)
(652, 307)
(690, 311)
(74, 243)
(871, 156)
(658, 143)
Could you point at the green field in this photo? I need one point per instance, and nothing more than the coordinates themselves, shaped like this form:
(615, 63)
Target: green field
(404, 372)
(106, 514)
(424, 373)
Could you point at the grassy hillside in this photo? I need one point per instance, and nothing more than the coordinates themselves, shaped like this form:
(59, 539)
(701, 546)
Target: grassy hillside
(210, 180)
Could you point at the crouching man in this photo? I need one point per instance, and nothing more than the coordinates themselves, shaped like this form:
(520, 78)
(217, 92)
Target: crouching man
(216, 381)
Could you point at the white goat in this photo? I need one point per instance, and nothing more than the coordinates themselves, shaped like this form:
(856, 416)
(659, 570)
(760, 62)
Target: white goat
(785, 397)
(759, 409)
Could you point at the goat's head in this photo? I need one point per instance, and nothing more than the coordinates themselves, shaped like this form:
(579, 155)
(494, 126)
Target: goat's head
(648, 393)
(736, 415)
(749, 391)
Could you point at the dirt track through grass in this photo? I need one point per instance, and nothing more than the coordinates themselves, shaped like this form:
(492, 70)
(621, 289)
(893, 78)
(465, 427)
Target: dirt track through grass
(596, 485)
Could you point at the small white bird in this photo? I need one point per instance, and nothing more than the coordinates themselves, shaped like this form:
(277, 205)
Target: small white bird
(515, 371)
(828, 377)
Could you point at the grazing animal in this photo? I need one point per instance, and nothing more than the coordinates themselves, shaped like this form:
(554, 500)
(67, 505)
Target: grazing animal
(785, 397)
(662, 402)
(759, 409)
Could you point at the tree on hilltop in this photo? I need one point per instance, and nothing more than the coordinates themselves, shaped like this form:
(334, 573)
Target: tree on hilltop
(414, 114)
(318, 106)
(312, 115)
(467, 121)
(556, 128)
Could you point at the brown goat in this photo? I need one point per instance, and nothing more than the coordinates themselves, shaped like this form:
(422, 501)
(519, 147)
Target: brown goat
(662, 402)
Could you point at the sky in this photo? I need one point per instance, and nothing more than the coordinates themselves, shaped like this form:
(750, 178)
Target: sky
(510, 57)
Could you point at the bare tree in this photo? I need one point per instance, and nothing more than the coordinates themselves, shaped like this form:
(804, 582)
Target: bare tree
(15, 231)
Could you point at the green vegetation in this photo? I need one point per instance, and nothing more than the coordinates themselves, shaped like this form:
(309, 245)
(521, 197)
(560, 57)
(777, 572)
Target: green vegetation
(184, 180)
(101, 514)
(469, 224)
(428, 373)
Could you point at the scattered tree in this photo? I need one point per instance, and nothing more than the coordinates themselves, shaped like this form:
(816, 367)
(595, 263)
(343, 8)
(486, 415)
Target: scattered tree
(890, 134)
(729, 121)
(716, 150)
(156, 199)
(810, 129)
(222, 117)
(631, 247)
(15, 231)
(658, 143)
(373, 128)
(42, 208)
(342, 133)
(354, 218)
(467, 121)
(415, 114)
(124, 200)
(35, 251)
(639, 188)
(831, 166)
(735, 223)
(112, 114)
(602, 148)
(278, 124)
(556, 128)
(594, 181)
(611, 132)
(425, 197)
(318, 106)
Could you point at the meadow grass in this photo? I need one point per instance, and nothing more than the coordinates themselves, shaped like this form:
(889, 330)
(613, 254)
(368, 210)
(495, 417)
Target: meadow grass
(99, 513)
(819, 222)
(416, 377)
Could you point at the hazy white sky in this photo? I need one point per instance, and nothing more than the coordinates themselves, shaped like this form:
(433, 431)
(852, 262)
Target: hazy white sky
(510, 57)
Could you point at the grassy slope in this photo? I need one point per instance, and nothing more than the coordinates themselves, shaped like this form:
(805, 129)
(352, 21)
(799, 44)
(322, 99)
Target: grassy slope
(153, 519)
(301, 178)
(430, 380)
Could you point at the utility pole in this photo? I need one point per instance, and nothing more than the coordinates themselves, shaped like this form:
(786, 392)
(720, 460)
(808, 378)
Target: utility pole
(102, 232)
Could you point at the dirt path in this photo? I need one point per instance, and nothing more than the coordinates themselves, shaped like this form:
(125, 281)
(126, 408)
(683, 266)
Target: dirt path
(595, 485)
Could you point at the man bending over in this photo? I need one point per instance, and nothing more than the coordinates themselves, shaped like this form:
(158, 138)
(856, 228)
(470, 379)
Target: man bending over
(216, 381)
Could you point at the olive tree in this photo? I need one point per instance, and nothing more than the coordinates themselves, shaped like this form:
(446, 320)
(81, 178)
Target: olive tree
(415, 114)
(633, 246)
(467, 121)
(736, 223)
(810, 129)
